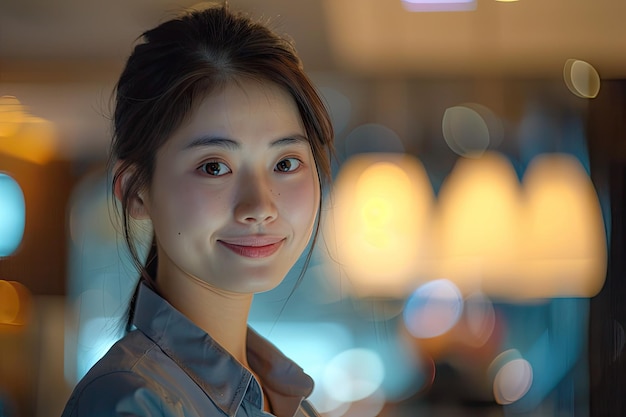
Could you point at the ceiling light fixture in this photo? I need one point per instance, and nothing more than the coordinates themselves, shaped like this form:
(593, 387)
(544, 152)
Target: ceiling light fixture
(439, 5)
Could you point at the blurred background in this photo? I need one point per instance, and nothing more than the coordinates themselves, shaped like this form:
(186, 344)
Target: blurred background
(471, 258)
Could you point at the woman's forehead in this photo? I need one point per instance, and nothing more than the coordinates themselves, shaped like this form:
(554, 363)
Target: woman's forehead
(242, 112)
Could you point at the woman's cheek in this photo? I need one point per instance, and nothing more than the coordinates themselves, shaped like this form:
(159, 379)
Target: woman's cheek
(204, 204)
(303, 199)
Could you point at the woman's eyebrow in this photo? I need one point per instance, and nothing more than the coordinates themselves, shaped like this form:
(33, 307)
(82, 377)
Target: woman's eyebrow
(290, 140)
(204, 141)
(230, 144)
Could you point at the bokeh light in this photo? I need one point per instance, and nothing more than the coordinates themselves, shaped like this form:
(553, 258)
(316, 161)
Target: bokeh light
(102, 275)
(12, 215)
(100, 326)
(581, 78)
(379, 222)
(480, 318)
(11, 116)
(470, 129)
(15, 303)
(35, 141)
(565, 244)
(312, 345)
(513, 377)
(433, 309)
(478, 223)
(9, 302)
(353, 375)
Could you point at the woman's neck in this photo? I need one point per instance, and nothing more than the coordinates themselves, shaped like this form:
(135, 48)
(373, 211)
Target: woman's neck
(223, 315)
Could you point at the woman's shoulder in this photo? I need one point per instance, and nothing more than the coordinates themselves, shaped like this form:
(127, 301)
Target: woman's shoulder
(114, 387)
(114, 393)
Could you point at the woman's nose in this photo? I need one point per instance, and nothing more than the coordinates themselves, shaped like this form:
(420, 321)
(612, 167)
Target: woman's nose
(255, 201)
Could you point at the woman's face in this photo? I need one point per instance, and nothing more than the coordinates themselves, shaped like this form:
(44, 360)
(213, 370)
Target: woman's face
(235, 191)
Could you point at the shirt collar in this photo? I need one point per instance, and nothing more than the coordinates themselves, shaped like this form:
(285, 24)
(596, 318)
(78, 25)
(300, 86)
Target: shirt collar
(284, 382)
(215, 370)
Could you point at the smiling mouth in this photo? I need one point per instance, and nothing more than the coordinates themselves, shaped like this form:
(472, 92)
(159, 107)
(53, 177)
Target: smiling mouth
(256, 249)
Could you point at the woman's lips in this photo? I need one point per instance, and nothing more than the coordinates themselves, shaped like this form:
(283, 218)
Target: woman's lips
(253, 247)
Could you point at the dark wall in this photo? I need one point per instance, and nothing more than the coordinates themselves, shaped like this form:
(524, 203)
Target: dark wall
(607, 150)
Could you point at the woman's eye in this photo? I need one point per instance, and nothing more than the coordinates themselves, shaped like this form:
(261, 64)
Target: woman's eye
(288, 165)
(215, 168)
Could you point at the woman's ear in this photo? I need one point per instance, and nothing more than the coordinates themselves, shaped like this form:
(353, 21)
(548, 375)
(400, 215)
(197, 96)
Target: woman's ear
(123, 179)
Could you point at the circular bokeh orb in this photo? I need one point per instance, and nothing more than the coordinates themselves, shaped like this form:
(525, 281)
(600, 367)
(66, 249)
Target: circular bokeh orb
(353, 375)
(15, 303)
(12, 215)
(433, 309)
(581, 78)
(470, 129)
(512, 381)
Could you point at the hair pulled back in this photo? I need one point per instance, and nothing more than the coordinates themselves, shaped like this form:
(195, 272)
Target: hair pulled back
(174, 67)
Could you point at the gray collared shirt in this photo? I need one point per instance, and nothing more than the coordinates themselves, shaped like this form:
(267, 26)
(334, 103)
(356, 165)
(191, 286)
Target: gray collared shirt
(170, 367)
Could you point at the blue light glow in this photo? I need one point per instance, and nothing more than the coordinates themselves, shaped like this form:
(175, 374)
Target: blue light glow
(353, 375)
(312, 345)
(12, 215)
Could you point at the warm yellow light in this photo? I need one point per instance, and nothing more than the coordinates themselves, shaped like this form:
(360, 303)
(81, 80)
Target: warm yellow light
(377, 225)
(34, 141)
(14, 303)
(379, 190)
(565, 244)
(543, 240)
(478, 227)
(11, 116)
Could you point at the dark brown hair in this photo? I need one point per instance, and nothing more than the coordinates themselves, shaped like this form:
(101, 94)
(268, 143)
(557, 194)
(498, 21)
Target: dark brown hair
(173, 68)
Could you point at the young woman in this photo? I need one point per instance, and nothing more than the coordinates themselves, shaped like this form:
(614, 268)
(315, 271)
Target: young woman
(222, 142)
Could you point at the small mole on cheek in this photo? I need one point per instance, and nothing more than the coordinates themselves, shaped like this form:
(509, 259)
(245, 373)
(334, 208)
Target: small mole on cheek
(178, 233)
